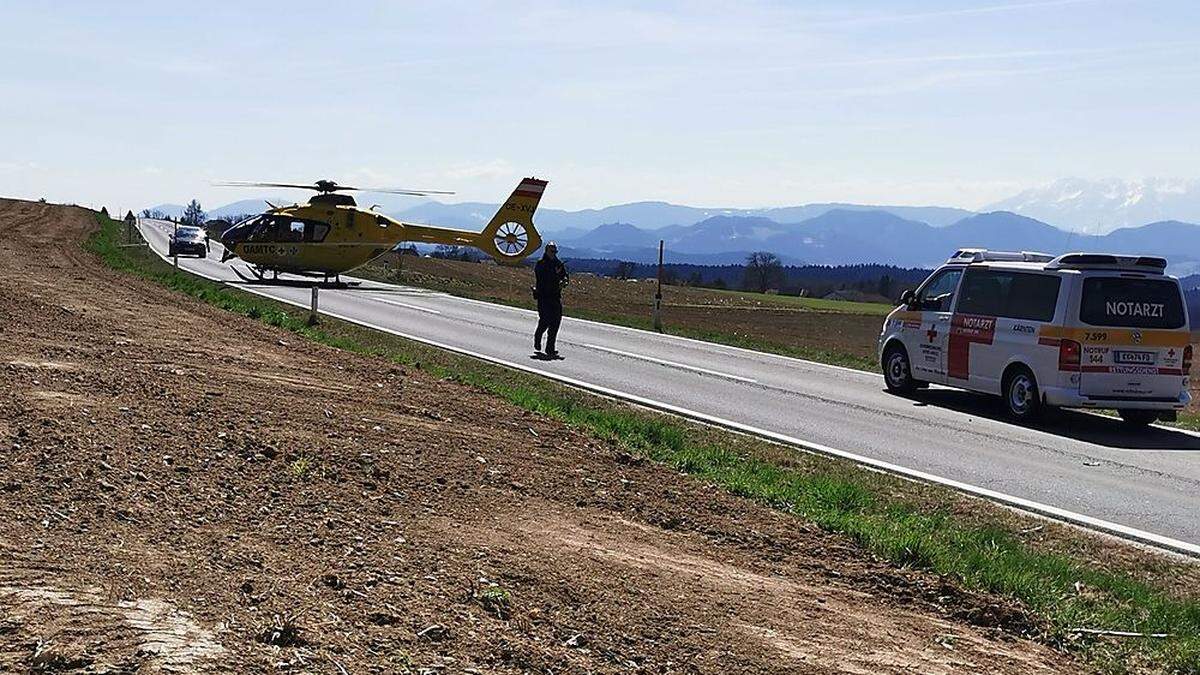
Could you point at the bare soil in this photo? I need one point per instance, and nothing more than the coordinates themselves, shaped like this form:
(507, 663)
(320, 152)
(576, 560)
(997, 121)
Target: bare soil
(185, 490)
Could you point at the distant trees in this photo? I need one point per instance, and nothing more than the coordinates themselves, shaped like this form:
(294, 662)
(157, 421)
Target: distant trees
(154, 214)
(887, 287)
(450, 252)
(763, 271)
(811, 280)
(193, 215)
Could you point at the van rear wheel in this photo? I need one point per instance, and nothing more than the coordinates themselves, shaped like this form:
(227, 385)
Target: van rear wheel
(1022, 400)
(1138, 418)
(897, 371)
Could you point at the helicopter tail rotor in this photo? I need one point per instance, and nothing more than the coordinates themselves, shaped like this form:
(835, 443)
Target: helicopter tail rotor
(511, 236)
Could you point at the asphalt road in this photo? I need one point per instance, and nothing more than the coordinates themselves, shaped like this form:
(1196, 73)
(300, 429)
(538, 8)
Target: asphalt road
(1081, 467)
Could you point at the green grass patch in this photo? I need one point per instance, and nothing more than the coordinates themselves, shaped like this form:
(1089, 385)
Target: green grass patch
(883, 515)
(813, 304)
(1188, 421)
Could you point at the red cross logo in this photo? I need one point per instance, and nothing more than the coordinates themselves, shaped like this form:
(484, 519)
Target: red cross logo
(932, 333)
(1171, 353)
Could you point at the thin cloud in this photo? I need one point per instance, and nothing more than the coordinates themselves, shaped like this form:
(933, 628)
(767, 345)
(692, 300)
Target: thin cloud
(965, 11)
(1161, 49)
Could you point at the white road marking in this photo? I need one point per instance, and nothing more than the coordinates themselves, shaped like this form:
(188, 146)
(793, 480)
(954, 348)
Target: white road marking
(1109, 527)
(673, 364)
(404, 304)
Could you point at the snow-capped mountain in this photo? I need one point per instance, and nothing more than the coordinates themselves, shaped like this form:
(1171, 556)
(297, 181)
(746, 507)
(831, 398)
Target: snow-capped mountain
(1101, 206)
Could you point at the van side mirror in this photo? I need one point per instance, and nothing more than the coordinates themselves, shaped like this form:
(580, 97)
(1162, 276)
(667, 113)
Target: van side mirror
(907, 297)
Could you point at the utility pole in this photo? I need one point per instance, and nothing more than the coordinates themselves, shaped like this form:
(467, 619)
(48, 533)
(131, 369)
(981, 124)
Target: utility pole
(658, 291)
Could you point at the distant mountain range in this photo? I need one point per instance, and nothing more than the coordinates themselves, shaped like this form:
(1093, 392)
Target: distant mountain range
(1093, 207)
(653, 215)
(1101, 206)
(841, 236)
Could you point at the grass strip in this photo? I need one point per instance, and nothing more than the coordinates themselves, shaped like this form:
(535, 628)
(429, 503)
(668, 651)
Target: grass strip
(1065, 591)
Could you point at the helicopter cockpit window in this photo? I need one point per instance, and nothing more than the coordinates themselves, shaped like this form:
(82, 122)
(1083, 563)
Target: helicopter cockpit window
(316, 231)
(241, 231)
(284, 229)
(264, 229)
(292, 231)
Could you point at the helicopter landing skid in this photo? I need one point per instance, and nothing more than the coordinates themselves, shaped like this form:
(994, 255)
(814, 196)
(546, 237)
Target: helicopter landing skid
(259, 278)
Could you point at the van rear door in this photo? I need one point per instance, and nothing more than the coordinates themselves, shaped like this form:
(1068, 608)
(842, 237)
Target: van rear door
(1134, 331)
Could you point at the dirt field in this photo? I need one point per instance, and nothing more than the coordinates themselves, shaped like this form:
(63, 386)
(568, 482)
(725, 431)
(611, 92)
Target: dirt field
(186, 490)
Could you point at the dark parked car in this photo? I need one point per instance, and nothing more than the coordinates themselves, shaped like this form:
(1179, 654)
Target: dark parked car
(189, 240)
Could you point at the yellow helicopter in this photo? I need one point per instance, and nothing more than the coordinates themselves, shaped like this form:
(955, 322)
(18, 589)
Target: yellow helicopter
(330, 234)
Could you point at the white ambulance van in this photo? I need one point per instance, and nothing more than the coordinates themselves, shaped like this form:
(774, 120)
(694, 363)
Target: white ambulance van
(1081, 330)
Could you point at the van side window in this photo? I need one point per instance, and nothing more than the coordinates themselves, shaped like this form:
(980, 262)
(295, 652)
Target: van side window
(1009, 295)
(937, 295)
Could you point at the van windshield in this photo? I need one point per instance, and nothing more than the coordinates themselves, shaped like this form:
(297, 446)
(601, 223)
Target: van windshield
(1132, 303)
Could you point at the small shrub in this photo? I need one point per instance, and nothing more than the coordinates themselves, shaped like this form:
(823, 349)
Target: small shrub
(494, 600)
(300, 467)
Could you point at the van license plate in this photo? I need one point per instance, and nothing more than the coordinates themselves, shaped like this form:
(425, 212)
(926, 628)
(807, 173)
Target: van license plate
(1140, 358)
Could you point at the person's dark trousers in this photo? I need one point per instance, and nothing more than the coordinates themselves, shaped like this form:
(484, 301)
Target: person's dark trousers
(550, 314)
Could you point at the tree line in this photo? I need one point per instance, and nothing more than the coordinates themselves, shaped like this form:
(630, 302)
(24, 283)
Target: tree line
(764, 272)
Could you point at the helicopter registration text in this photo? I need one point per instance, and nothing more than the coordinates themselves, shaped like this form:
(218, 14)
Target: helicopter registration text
(270, 249)
(524, 208)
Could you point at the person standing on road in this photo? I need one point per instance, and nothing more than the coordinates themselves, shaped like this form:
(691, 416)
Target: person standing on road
(550, 276)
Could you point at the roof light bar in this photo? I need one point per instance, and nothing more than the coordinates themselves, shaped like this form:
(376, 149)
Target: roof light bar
(975, 255)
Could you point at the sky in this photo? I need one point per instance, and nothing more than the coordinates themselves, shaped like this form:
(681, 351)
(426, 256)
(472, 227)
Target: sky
(740, 104)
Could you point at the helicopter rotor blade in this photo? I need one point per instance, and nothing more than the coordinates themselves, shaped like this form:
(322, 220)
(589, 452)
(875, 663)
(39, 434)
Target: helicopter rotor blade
(401, 191)
(330, 186)
(241, 183)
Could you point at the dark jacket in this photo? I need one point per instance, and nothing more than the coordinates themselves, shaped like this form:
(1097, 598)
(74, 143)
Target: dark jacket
(550, 277)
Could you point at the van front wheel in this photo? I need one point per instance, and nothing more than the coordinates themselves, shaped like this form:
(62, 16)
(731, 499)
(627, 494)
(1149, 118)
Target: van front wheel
(1138, 418)
(1022, 400)
(897, 371)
